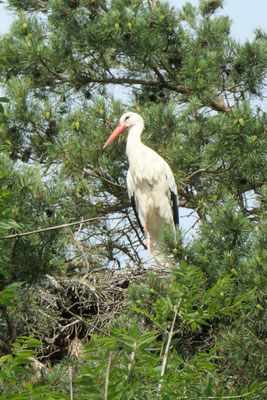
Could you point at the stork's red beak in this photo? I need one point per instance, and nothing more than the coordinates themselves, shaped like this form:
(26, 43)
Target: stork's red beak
(120, 128)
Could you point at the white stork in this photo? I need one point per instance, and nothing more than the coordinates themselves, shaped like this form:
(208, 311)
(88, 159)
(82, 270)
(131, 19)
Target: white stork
(151, 185)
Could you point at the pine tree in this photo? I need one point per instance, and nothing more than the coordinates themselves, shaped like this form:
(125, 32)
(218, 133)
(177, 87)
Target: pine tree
(200, 93)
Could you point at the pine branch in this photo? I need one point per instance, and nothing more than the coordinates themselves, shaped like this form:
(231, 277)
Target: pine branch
(207, 169)
(92, 175)
(219, 105)
(216, 104)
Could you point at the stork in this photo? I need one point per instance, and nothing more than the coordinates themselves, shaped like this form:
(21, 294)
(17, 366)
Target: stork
(151, 185)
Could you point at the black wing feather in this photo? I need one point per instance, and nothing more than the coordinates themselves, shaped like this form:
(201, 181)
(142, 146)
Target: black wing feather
(175, 210)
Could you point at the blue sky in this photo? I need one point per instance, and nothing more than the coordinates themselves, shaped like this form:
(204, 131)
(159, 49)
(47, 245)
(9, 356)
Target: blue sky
(246, 15)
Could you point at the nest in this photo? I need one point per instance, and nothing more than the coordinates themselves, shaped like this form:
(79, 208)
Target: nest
(65, 312)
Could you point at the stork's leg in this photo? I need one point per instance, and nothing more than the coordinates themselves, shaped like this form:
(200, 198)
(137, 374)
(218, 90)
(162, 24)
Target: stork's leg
(148, 245)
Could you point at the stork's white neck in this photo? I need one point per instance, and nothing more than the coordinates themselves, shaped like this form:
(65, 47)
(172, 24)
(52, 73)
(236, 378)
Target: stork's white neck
(134, 139)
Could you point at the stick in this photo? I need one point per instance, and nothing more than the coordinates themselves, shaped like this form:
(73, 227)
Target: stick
(165, 357)
(51, 228)
(107, 377)
(130, 365)
(70, 375)
(91, 325)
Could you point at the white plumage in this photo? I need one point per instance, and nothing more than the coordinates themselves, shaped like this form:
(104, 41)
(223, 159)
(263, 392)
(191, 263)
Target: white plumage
(151, 185)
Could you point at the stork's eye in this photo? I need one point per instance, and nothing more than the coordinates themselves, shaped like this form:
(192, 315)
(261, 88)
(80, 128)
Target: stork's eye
(127, 117)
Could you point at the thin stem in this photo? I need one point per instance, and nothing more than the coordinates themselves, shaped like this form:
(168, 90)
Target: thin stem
(51, 228)
(70, 376)
(130, 365)
(165, 357)
(107, 377)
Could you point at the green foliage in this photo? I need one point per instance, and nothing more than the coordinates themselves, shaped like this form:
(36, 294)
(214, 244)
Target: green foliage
(28, 206)
(133, 361)
(5, 64)
(8, 293)
(200, 93)
(208, 7)
(15, 367)
(232, 245)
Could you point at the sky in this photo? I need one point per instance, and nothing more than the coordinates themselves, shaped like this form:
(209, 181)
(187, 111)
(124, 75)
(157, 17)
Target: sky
(246, 15)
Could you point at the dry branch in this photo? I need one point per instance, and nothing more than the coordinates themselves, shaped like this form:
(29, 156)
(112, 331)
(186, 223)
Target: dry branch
(131, 364)
(107, 377)
(170, 335)
(70, 376)
(50, 228)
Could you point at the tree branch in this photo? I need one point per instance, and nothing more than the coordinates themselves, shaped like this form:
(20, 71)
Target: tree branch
(219, 105)
(51, 228)
(136, 231)
(216, 104)
(199, 171)
(92, 175)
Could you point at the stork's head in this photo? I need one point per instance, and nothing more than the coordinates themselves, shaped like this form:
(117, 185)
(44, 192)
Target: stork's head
(128, 120)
